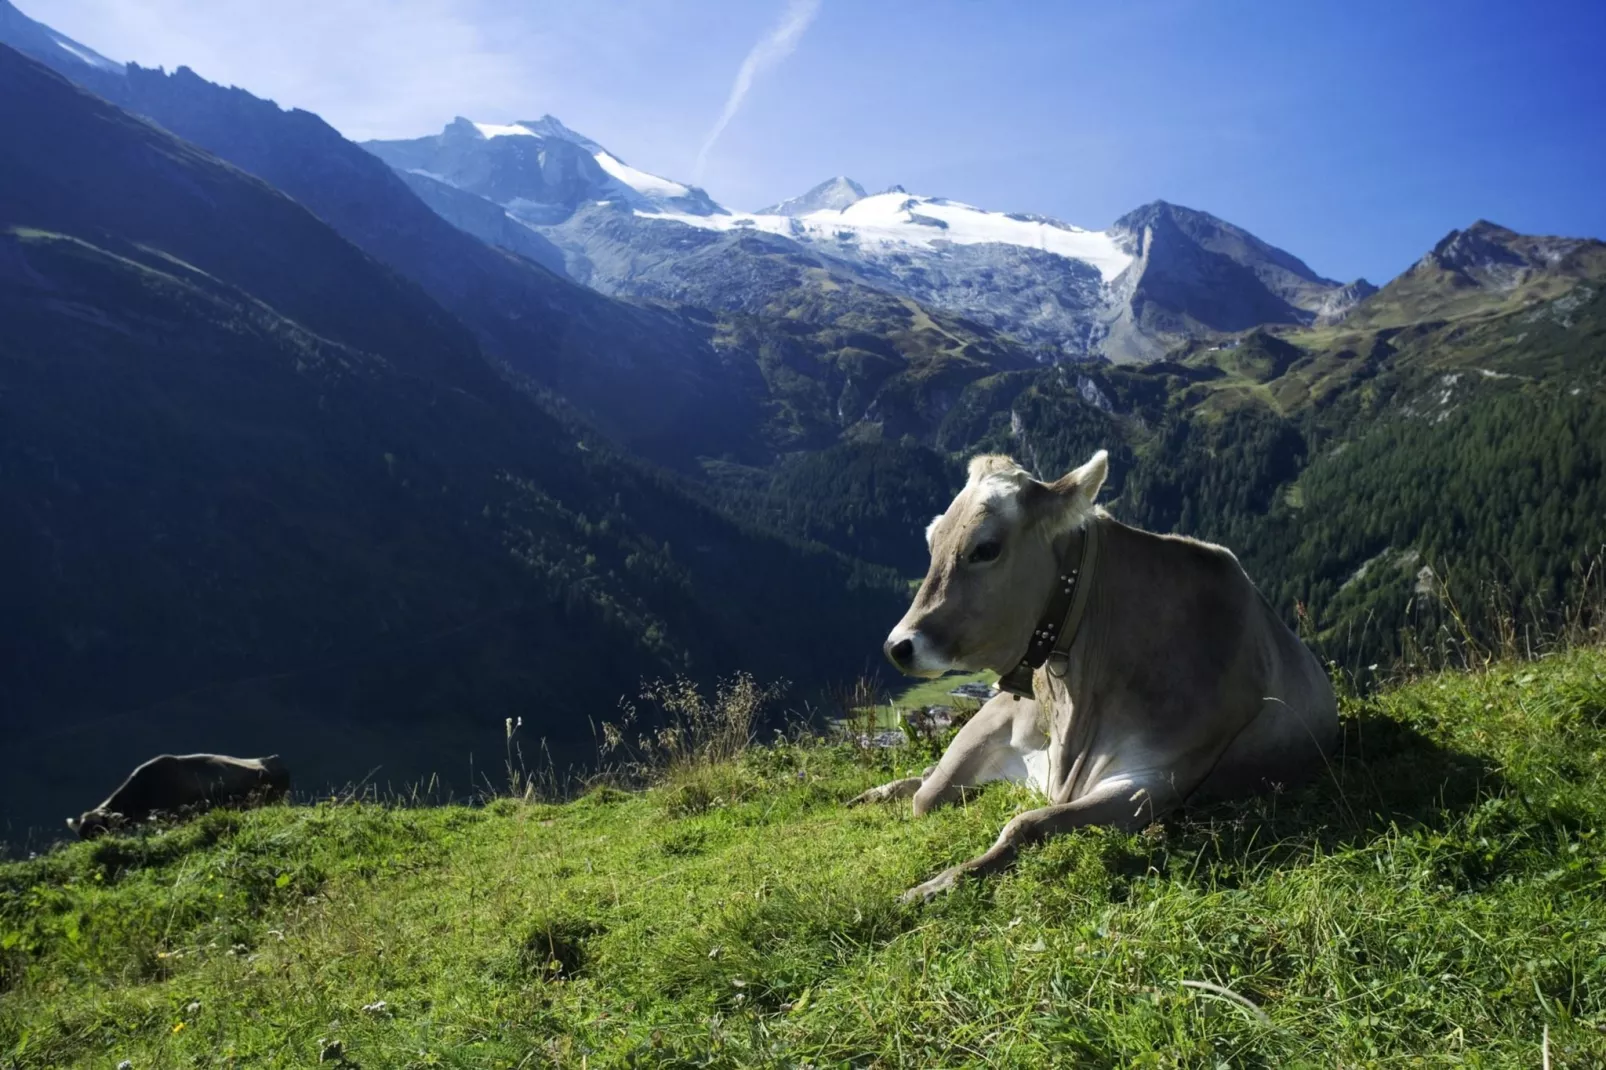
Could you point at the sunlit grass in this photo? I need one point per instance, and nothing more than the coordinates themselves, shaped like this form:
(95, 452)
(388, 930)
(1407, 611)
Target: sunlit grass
(1440, 900)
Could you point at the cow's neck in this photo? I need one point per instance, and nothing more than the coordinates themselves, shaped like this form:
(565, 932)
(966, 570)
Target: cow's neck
(1061, 616)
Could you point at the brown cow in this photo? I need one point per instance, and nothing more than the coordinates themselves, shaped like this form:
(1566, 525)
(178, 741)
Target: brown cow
(170, 782)
(1145, 669)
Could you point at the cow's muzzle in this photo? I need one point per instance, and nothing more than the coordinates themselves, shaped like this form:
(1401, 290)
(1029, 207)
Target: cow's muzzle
(912, 652)
(901, 652)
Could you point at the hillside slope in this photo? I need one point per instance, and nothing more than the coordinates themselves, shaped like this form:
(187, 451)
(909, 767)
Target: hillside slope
(259, 493)
(647, 376)
(1440, 898)
(1467, 441)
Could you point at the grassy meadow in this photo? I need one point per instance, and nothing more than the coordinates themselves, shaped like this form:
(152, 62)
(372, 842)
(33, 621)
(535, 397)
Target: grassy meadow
(1438, 900)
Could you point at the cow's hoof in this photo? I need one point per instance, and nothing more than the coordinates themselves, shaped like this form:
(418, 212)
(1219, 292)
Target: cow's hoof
(942, 882)
(898, 789)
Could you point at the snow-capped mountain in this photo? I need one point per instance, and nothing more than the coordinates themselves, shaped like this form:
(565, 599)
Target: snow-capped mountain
(1157, 276)
(898, 223)
(540, 171)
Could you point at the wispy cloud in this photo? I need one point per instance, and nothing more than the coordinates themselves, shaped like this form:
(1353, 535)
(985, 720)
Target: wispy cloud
(770, 50)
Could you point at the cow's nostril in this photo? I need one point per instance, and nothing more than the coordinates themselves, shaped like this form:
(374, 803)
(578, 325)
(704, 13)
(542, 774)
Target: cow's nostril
(902, 652)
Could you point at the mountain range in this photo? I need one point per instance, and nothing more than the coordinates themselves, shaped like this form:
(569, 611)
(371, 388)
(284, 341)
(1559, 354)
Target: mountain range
(373, 446)
(1158, 274)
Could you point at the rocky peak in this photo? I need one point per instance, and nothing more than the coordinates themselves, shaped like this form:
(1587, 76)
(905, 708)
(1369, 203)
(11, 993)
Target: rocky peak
(550, 126)
(832, 195)
(1196, 273)
(539, 170)
(1489, 255)
(1281, 270)
(1336, 304)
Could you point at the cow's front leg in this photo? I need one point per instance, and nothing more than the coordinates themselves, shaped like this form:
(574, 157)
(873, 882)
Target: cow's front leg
(896, 789)
(993, 745)
(1129, 802)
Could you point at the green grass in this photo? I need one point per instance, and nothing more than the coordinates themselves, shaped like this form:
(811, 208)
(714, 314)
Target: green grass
(926, 693)
(1439, 899)
(935, 692)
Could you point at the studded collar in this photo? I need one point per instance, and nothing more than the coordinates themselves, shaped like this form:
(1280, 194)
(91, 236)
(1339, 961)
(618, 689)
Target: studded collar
(1056, 630)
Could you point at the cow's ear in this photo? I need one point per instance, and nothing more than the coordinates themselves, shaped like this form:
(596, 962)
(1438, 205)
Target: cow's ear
(1067, 502)
(72, 824)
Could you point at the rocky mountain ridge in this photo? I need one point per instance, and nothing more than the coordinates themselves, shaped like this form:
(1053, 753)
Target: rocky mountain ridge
(1159, 275)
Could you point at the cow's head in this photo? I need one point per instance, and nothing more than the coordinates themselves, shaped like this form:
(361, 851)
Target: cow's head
(993, 567)
(91, 823)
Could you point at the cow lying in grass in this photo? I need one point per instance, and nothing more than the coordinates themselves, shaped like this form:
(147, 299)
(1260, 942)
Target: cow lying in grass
(169, 783)
(1137, 671)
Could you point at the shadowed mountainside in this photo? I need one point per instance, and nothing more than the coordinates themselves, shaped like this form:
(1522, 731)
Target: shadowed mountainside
(257, 488)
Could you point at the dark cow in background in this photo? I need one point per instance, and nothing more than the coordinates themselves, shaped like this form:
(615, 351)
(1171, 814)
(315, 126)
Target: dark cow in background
(171, 782)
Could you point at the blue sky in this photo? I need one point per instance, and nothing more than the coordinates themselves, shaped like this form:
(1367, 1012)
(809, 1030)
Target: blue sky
(1353, 134)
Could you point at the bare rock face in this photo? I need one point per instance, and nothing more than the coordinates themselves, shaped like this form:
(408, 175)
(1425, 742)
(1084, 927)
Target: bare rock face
(1337, 304)
(832, 195)
(1194, 274)
(1488, 255)
(1483, 268)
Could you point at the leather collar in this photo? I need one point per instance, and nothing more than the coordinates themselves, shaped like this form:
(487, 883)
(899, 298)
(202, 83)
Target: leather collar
(1056, 629)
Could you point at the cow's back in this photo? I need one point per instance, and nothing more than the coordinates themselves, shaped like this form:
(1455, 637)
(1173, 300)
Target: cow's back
(153, 785)
(174, 781)
(1178, 629)
(1296, 723)
(1183, 660)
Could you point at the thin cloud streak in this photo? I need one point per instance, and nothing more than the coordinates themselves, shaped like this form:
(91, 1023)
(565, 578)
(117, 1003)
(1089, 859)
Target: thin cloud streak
(770, 50)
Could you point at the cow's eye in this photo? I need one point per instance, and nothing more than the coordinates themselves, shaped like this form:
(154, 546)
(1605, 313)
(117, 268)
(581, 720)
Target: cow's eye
(984, 552)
